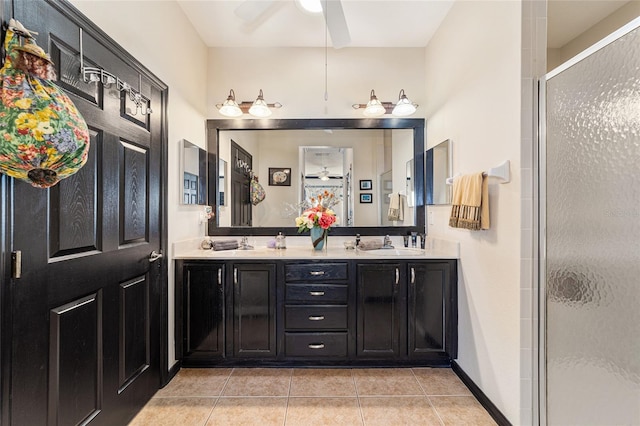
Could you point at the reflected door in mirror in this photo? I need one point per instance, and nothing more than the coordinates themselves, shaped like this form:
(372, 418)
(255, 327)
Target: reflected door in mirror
(240, 186)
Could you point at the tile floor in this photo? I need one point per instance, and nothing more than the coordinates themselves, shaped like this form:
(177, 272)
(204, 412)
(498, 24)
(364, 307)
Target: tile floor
(287, 396)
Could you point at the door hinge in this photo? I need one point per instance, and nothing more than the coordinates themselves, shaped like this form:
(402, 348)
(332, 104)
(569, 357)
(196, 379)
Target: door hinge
(16, 264)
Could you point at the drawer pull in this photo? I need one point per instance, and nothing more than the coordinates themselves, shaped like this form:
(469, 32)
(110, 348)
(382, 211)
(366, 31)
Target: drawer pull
(316, 273)
(316, 293)
(316, 345)
(316, 317)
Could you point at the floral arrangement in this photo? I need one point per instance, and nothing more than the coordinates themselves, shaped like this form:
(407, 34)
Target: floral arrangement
(318, 213)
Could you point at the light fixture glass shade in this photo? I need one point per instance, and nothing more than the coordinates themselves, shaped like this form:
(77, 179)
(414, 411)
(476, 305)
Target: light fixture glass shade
(374, 107)
(404, 106)
(230, 108)
(311, 6)
(260, 107)
(324, 178)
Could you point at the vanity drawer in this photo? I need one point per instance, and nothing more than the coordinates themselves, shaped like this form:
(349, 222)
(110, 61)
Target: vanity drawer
(316, 344)
(315, 317)
(315, 272)
(316, 293)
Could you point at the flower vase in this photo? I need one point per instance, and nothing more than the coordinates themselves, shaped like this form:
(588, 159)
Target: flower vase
(319, 238)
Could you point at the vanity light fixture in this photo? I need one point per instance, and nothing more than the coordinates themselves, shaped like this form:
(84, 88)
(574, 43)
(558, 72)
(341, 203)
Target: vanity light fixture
(404, 107)
(259, 108)
(376, 108)
(230, 108)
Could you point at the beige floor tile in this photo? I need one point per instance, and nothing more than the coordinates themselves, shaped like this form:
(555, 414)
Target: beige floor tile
(323, 411)
(196, 382)
(175, 411)
(258, 382)
(386, 381)
(440, 381)
(403, 410)
(461, 410)
(249, 411)
(322, 382)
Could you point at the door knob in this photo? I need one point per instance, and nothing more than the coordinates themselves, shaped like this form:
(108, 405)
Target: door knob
(154, 256)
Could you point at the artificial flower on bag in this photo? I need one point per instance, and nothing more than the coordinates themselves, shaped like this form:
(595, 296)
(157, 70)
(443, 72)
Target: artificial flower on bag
(318, 213)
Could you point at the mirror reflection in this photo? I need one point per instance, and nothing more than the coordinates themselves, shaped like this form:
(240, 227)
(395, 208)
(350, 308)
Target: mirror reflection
(330, 169)
(314, 159)
(193, 170)
(438, 169)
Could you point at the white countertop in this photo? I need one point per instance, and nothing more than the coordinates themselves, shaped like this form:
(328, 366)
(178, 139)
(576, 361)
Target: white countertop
(299, 247)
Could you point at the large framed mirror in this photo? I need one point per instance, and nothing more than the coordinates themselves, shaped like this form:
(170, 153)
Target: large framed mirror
(300, 153)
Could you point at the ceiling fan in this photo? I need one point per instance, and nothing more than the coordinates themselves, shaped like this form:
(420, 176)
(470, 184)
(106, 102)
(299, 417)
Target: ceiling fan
(253, 10)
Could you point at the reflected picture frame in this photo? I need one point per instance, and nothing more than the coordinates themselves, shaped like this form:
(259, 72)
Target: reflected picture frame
(279, 176)
(366, 185)
(366, 198)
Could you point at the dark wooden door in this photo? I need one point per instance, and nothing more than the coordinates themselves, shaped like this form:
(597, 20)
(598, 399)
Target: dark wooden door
(380, 314)
(203, 315)
(254, 310)
(85, 317)
(241, 164)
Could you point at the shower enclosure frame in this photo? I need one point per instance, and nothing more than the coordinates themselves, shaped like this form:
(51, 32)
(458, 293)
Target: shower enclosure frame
(542, 240)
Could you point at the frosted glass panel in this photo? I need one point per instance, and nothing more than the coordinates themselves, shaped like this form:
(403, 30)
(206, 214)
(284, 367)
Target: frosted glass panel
(593, 239)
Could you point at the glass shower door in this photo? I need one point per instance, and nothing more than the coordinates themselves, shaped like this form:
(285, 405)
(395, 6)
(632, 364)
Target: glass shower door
(592, 259)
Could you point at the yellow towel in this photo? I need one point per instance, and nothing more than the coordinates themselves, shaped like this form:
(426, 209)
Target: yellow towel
(396, 207)
(470, 209)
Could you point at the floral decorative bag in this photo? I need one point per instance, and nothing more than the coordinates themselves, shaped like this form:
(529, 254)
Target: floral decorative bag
(43, 137)
(257, 191)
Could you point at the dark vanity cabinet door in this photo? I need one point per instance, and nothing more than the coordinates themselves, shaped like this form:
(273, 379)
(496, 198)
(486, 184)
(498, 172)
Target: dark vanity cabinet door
(380, 313)
(203, 301)
(254, 310)
(432, 313)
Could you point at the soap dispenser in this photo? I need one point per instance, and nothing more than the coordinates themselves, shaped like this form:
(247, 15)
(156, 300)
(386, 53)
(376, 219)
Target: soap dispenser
(281, 242)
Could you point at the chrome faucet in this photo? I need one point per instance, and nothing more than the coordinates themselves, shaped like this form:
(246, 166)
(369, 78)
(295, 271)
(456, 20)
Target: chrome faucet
(387, 242)
(244, 244)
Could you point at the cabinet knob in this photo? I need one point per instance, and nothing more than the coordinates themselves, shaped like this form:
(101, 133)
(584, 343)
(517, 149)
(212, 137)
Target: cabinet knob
(316, 317)
(316, 293)
(316, 345)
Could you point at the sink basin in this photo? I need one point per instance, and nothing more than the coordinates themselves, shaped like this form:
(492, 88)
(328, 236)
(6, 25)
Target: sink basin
(396, 252)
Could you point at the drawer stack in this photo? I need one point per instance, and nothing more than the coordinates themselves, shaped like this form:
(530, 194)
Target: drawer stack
(315, 312)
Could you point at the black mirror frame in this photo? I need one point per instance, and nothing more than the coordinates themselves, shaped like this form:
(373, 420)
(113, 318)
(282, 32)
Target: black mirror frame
(416, 124)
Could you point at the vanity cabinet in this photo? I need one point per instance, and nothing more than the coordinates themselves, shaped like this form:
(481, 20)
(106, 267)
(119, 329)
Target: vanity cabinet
(380, 309)
(407, 309)
(200, 304)
(316, 314)
(432, 309)
(254, 310)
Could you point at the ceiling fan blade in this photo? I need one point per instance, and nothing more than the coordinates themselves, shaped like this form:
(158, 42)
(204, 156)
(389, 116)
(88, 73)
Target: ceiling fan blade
(251, 10)
(336, 23)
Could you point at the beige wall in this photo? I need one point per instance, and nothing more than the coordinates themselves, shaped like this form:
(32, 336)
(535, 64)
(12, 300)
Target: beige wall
(473, 98)
(616, 20)
(166, 44)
